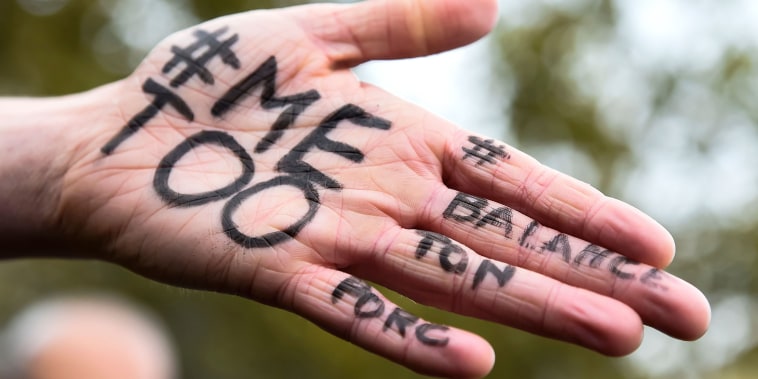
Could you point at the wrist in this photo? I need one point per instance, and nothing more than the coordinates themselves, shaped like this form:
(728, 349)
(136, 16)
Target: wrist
(41, 138)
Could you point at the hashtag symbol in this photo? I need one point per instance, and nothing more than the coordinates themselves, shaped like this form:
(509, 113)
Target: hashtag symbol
(210, 46)
(486, 151)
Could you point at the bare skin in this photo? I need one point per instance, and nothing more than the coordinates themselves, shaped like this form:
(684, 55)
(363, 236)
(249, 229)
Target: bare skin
(389, 193)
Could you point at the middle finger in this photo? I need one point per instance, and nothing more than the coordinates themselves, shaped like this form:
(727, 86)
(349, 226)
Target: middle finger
(504, 234)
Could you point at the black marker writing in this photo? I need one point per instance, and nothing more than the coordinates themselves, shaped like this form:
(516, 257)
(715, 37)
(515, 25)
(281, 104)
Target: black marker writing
(500, 218)
(269, 239)
(296, 173)
(487, 267)
(476, 212)
(559, 244)
(448, 250)
(210, 47)
(350, 286)
(302, 176)
(163, 172)
(526, 240)
(617, 263)
(597, 254)
(485, 151)
(265, 77)
(422, 334)
(399, 320)
(293, 163)
(471, 209)
(162, 96)
(362, 291)
(192, 61)
(368, 305)
(653, 277)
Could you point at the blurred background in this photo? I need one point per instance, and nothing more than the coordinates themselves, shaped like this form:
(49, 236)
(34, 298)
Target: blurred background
(652, 101)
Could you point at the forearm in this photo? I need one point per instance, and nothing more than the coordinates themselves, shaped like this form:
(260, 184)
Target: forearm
(39, 138)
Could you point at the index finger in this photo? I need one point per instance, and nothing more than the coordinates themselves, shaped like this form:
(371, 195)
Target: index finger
(491, 169)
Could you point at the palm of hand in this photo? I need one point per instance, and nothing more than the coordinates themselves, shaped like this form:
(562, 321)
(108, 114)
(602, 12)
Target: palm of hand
(251, 161)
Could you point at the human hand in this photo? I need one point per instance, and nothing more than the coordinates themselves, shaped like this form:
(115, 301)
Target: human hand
(243, 156)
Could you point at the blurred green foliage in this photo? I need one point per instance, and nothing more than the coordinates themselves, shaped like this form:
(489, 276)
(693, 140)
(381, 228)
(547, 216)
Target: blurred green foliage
(547, 107)
(550, 108)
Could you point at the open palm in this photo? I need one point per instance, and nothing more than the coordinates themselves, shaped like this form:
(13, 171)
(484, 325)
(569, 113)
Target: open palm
(243, 156)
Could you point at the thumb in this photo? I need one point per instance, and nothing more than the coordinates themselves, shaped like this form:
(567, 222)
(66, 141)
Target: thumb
(390, 29)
